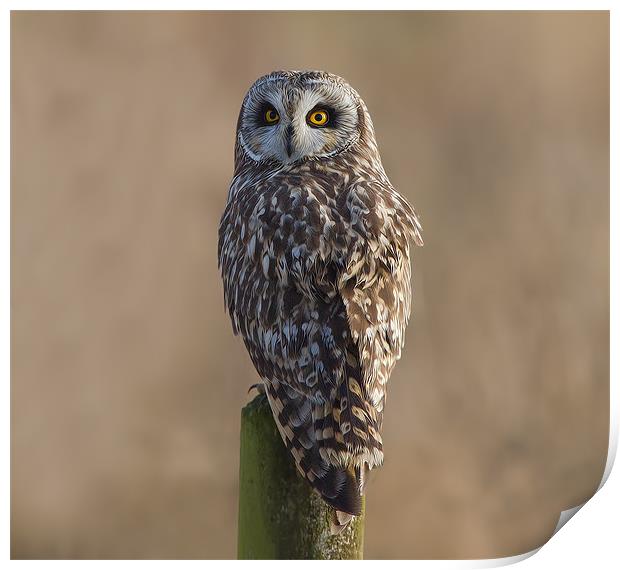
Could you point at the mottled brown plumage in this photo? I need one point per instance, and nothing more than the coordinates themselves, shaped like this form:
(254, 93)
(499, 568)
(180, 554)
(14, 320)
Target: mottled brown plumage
(314, 250)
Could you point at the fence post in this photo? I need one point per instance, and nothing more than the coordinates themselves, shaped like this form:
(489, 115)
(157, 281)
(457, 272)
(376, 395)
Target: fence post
(280, 517)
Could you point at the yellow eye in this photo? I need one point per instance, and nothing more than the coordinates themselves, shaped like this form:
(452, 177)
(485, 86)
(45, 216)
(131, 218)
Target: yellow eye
(271, 116)
(318, 118)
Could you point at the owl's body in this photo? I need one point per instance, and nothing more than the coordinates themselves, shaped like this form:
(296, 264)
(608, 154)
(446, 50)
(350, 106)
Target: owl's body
(314, 250)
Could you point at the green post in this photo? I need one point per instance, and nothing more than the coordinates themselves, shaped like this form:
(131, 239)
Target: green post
(280, 517)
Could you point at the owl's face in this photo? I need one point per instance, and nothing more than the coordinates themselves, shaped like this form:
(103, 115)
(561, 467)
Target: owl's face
(291, 116)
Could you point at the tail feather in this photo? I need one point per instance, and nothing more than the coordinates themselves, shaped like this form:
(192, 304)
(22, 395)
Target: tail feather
(334, 443)
(340, 489)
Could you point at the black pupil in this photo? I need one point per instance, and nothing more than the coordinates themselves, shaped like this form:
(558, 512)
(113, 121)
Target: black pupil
(318, 118)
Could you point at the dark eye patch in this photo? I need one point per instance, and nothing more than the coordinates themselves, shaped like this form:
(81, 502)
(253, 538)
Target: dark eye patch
(333, 115)
(262, 112)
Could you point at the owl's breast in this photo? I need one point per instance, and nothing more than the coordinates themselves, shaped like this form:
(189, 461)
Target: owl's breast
(278, 248)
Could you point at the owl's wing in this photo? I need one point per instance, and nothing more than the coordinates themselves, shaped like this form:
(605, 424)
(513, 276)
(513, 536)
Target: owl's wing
(376, 283)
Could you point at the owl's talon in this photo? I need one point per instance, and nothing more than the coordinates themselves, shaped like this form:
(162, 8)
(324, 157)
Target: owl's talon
(259, 387)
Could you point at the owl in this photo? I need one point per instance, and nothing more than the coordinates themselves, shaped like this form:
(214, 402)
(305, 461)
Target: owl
(314, 251)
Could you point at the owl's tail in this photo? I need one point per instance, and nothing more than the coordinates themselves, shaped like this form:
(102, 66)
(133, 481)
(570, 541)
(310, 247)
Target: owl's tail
(342, 518)
(347, 438)
(335, 443)
(318, 461)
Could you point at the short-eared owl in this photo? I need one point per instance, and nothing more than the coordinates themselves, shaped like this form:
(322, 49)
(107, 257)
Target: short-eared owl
(314, 250)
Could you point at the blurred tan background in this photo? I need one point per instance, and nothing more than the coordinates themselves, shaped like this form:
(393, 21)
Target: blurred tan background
(127, 382)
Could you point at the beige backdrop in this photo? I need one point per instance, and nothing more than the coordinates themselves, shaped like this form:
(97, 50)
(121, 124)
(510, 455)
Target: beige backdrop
(126, 379)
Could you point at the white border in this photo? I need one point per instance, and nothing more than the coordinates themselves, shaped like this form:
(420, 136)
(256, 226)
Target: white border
(587, 538)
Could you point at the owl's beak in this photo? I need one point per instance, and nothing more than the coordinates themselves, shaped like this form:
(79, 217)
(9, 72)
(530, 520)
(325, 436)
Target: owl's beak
(288, 140)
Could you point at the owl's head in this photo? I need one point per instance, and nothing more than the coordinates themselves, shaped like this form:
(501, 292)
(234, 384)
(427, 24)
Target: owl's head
(291, 116)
